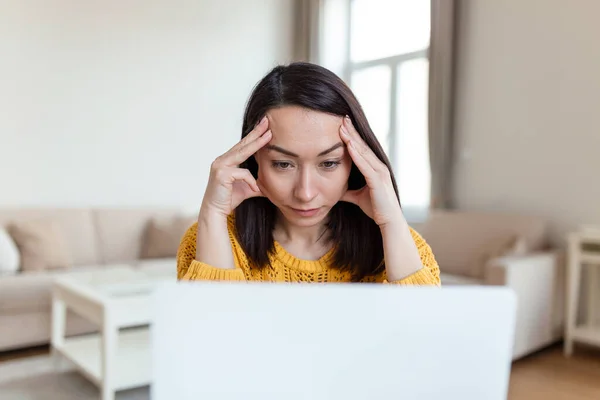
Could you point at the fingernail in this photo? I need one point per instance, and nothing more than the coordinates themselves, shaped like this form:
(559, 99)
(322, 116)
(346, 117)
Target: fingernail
(347, 118)
(267, 133)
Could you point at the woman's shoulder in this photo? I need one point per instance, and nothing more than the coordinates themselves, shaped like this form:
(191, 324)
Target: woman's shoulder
(187, 244)
(186, 252)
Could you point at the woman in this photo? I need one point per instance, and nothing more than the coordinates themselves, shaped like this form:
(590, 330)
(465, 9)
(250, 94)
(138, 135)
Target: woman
(307, 195)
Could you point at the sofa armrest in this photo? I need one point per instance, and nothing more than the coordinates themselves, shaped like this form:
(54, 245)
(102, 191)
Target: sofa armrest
(517, 269)
(538, 281)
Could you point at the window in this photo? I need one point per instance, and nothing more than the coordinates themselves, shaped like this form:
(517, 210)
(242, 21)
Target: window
(380, 48)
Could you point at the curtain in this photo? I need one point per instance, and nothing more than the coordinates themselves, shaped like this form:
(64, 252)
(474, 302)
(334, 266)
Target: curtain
(441, 63)
(307, 18)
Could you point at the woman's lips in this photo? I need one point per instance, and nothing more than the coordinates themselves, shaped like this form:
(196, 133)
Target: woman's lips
(306, 212)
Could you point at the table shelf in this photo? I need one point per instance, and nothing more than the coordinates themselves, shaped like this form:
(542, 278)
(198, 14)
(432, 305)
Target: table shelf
(587, 334)
(132, 361)
(579, 257)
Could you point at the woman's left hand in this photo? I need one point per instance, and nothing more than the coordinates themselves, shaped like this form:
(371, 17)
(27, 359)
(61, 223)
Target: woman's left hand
(377, 199)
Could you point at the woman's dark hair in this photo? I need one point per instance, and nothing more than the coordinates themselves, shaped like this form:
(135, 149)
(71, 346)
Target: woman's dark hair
(356, 237)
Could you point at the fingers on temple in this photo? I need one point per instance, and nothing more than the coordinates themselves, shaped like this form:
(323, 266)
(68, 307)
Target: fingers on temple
(361, 147)
(250, 144)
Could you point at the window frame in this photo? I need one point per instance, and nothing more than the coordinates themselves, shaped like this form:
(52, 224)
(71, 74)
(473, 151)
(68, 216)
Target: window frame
(411, 213)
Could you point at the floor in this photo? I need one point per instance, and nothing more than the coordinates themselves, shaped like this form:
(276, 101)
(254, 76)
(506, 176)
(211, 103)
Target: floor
(20, 354)
(34, 375)
(546, 375)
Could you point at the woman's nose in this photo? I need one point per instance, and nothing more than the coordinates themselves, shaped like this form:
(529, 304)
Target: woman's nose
(305, 190)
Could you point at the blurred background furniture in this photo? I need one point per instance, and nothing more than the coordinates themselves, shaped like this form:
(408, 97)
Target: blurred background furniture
(583, 250)
(88, 240)
(486, 248)
(119, 301)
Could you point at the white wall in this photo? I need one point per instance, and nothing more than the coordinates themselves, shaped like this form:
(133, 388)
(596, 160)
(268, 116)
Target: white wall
(528, 110)
(126, 103)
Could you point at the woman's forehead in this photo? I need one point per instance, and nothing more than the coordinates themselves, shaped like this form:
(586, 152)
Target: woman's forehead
(301, 126)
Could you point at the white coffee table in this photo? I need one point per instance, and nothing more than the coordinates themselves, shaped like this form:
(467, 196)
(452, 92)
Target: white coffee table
(118, 300)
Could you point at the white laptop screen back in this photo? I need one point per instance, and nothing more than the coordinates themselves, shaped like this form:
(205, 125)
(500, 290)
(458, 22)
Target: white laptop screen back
(347, 341)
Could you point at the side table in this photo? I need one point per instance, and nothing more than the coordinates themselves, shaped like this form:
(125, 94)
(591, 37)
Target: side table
(119, 301)
(588, 332)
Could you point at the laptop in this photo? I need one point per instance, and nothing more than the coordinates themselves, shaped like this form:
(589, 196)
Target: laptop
(263, 341)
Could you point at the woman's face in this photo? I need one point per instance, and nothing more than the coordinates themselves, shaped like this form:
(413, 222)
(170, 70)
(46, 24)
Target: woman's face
(305, 167)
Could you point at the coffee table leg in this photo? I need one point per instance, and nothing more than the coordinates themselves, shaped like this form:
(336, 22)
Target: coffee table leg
(109, 348)
(57, 339)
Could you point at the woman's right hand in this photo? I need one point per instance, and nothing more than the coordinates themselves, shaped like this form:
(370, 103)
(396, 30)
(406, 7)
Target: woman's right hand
(228, 185)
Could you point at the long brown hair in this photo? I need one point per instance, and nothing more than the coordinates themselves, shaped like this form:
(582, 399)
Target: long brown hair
(357, 239)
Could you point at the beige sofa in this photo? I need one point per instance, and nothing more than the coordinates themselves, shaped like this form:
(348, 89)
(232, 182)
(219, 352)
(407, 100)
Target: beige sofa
(479, 248)
(97, 239)
(471, 248)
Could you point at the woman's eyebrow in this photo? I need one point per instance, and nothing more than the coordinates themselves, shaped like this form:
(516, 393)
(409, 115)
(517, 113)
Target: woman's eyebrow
(291, 154)
(332, 148)
(281, 150)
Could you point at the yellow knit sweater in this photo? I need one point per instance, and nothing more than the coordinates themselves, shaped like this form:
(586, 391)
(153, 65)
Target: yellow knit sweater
(287, 268)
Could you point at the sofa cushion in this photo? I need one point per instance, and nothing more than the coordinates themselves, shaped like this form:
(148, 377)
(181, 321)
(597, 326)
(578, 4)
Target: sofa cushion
(509, 245)
(162, 236)
(76, 224)
(462, 241)
(26, 291)
(31, 291)
(42, 245)
(121, 231)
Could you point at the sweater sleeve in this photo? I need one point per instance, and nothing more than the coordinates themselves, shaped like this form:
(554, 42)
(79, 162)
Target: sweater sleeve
(190, 269)
(429, 274)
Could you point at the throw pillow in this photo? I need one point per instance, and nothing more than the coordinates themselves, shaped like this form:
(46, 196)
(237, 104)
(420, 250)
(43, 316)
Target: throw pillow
(10, 259)
(163, 236)
(507, 246)
(42, 245)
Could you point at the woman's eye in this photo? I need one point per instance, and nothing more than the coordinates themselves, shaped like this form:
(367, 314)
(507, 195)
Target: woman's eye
(282, 165)
(330, 164)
